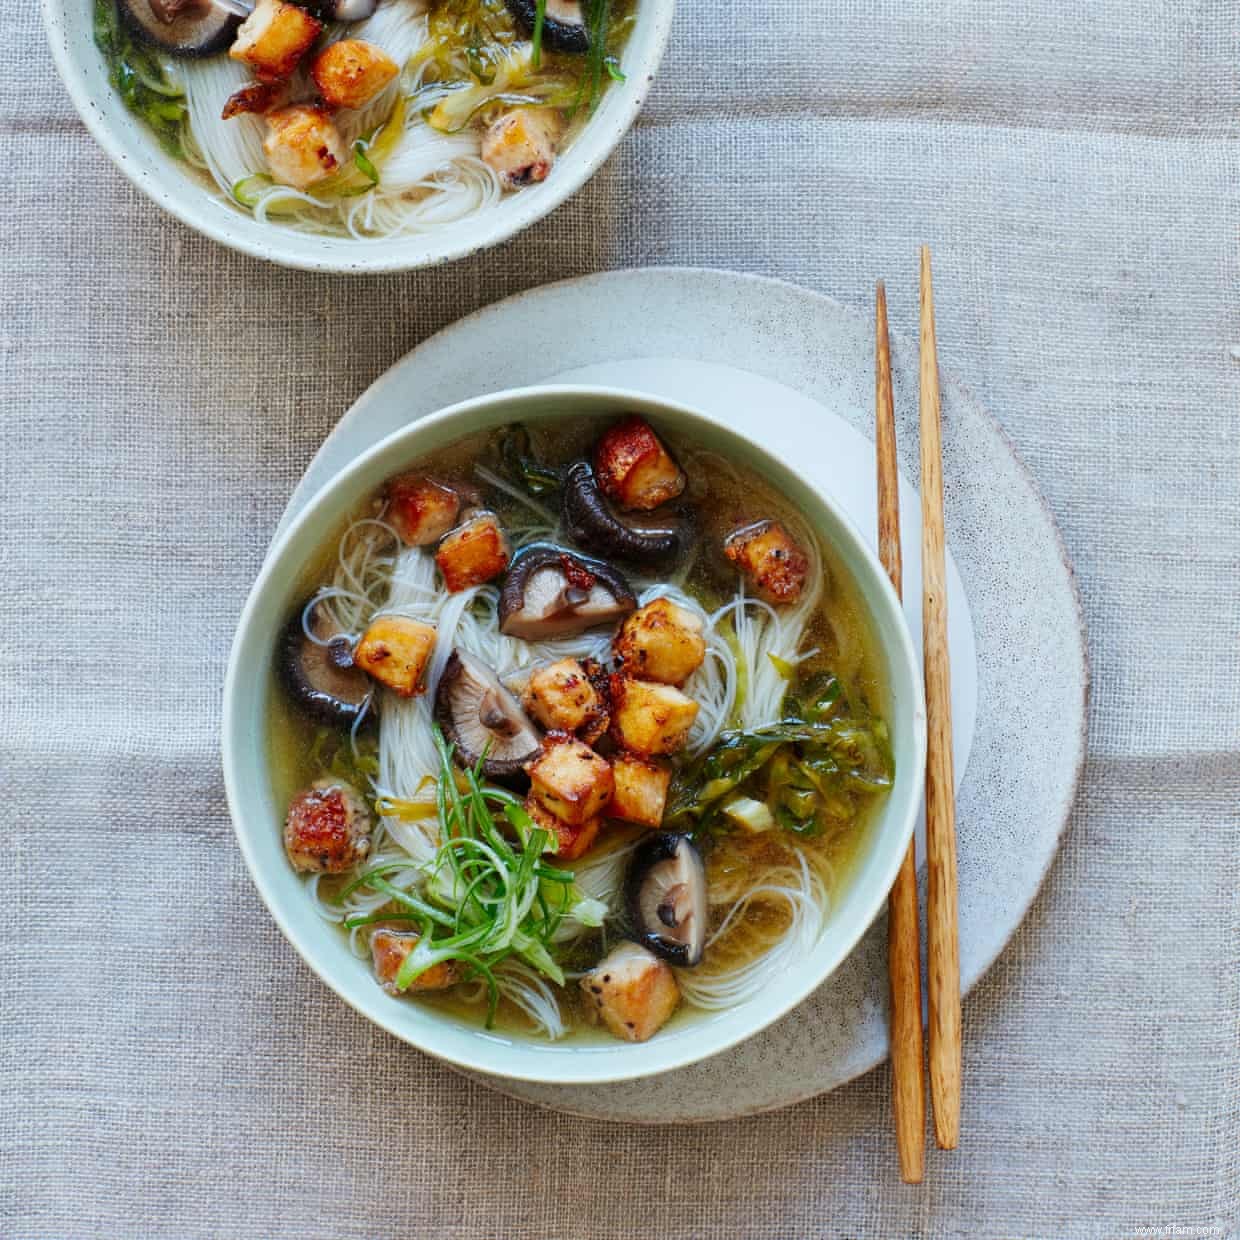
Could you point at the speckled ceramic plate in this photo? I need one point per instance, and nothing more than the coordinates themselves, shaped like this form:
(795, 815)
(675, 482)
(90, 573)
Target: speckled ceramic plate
(797, 368)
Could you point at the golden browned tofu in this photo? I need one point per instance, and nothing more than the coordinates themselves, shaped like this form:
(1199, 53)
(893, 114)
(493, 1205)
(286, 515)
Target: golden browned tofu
(561, 697)
(640, 790)
(473, 553)
(256, 98)
(596, 726)
(766, 553)
(421, 510)
(634, 468)
(650, 718)
(388, 949)
(572, 842)
(303, 145)
(569, 780)
(632, 991)
(274, 38)
(521, 145)
(351, 72)
(327, 830)
(661, 641)
(394, 650)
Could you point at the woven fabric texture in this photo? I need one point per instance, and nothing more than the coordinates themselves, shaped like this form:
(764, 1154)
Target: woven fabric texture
(168, 1067)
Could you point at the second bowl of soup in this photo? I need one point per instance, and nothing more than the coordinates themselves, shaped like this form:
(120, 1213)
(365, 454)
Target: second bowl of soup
(358, 135)
(570, 736)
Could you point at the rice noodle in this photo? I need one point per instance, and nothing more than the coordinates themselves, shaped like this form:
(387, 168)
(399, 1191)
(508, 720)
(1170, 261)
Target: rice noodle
(713, 986)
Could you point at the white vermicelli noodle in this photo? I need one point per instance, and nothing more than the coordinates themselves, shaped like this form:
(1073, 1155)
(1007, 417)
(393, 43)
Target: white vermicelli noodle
(802, 890)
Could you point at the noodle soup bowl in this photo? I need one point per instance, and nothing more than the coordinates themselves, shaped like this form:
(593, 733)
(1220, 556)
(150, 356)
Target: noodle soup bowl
(258, 811)
(177, 188)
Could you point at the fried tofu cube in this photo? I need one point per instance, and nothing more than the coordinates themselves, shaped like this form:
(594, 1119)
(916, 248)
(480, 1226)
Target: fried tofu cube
(632, 991)
(421, 510)
(520, 145)
(388, 949)
(473, 553)
(649, 718)
(303, 145)
(596, 726)
(351, 72)
(569, 780)
(274, 38)
(572, 842)
(640, 791)
(561, 697)
(767, 554)
(395, 651)
(661, 641)
(634, 468)
(256, 98)
(327, 830)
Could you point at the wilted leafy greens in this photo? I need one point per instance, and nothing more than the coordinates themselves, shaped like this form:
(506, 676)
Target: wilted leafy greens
(810, 769)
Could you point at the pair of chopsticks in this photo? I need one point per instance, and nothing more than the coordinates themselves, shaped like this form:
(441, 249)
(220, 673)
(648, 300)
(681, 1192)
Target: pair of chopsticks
(904, 940)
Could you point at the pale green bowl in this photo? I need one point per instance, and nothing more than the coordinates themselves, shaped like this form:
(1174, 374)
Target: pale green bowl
(258, 818)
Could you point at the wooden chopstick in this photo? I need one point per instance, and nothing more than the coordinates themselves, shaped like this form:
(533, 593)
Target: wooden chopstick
(908, 1086)
(942, 935)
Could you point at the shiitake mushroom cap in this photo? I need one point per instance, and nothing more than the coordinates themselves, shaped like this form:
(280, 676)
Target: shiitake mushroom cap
(322, 679)
(477, 714)
(592, 524)
(564, 23)
(196, 28)
(341, 10)
(665, 897)
(592, 593)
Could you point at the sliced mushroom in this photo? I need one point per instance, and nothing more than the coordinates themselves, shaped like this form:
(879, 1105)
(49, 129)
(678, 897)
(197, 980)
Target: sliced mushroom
(318, 670)
(478, 715)
(665, 891)
(181, 27)
(564, 23)
(348, 10)
(590, 521)
(551, 592)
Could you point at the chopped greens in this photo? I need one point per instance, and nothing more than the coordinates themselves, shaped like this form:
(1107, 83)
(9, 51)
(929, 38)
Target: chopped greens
(476, 50)
(486, 897)
(809, 770)
(540, 20)
(355, 762)
(519, 464)
(591, 88)
(482, 31)
(364, 166)
(140, 79)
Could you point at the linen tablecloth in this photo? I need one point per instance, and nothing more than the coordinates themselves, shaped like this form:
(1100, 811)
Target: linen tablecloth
(168, 1067)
